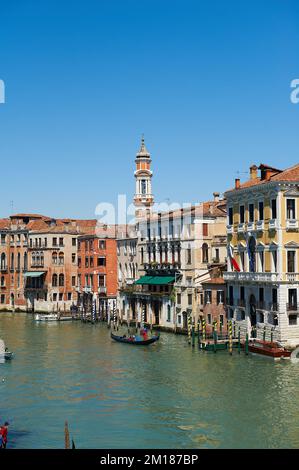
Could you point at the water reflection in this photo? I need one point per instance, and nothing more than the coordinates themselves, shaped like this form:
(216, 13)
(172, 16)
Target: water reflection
(114, 395)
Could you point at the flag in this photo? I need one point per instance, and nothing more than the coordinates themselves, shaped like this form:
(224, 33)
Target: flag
(250, 256)
(232, 259)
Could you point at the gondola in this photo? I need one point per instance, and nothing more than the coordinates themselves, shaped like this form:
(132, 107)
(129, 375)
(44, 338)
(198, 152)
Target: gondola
(141, 342)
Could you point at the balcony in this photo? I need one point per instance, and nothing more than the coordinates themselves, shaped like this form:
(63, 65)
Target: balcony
(230, 229)
(250, 226)
(292, 224)
(3, 268)
(102, 290)
(87, 289)
(251, 277)
(273, 224)
(292, 277)
(260, 225)
(241, 228)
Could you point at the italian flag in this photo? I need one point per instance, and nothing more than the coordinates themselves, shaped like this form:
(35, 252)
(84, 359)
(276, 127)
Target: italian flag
(232, 259)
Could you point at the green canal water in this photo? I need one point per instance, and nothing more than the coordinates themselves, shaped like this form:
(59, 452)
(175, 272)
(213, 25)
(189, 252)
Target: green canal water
(118, 396)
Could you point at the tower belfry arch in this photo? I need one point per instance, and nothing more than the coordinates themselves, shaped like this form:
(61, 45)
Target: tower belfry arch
(143, 198)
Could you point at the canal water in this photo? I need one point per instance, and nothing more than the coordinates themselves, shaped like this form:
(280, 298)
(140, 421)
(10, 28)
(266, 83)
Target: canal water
(119, 396)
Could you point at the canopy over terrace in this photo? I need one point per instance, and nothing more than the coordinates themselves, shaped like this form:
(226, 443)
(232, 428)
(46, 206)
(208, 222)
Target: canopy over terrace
(155, 280)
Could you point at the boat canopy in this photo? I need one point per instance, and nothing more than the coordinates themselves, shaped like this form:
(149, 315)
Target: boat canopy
(34, 273)
(155, 280)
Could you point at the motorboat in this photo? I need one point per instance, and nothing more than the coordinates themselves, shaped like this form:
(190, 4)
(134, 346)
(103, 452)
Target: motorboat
(4, 353)
(46, 317)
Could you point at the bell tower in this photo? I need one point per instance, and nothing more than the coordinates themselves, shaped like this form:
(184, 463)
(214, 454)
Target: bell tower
(143, 199)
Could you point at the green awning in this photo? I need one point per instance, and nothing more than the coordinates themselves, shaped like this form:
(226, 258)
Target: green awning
(161, 280)
(155, 280)
(34, 273)
(143, 280)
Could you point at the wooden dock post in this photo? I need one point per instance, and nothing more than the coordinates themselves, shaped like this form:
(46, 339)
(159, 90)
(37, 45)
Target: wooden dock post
(203, 330)
(66, 436)
(264, 333)
(198, 332)
(239, 341)
(193, 333)
(246, 345)
(215, 335)
(272, 335)
(230, 337)
(189, 328)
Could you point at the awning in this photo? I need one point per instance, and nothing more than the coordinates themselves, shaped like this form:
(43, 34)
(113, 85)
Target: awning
(155, 280)
(34, 273)
(143, 280)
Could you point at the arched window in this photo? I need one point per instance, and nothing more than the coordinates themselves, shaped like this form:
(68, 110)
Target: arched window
(61, 258)
(54, 280)
(61, 280)
(42, 259)
(205, 253)
(54, 257)
(3, 261)
(19, 261)
(25, 261)
(2, 281)
(12, 261)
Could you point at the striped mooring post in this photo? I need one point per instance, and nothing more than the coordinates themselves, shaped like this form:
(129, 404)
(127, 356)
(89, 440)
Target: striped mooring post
(198, 332)
(93, 312)
(264, 333)
(143, 315)
(203, 330)
(193, 333)
(272, 335)
(114, 315)
(215, 335)
(189, 328)
(230, 337)
(239, 341)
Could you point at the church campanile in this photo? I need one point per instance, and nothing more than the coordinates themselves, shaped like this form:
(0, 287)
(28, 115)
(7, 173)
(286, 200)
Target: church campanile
(143, 199)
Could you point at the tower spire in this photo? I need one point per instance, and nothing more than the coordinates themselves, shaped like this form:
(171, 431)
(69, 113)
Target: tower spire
(143, 199)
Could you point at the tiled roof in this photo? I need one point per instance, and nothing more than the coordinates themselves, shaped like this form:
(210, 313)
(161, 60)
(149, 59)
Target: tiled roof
(4, 223)
(289, 174)
(214, 280)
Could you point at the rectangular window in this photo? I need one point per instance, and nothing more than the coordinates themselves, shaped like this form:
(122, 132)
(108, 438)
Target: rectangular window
(189, 256)
(60, 241)
(178, 299)
(292, 298)
(274, 296)
(274, 261)
(101, 261)
(69, 296)
(251, 212)
(86, 262)
(209, 319)
(102, 244)
(220, 297)
(261, 294)
(230, 216)
(291, 261)
(261, 211)
(74, 241)
(273, 209)
(205, 229)
(291, 213)
(79, 262)
(54, 297)
(292, 319)
(73, 281)
(189, 299)
(74, 258)
(242, 293)
(3, 298)
(60, 296)
(91, 262)
(208, 296)
(101, 280)
(242, 214)
(54, 241)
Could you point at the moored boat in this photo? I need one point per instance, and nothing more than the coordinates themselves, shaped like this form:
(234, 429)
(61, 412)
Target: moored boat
(268, 348)
(136, 342)
(4, 353)
(46, 317)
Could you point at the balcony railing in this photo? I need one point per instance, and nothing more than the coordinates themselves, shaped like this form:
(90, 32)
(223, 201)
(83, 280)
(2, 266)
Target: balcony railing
(260, 225)
(273, 224)
(3, 268)
(250, 226)
(292, 277)
(292, 224)
(252, 277)
(273, 306)
(241, 228)
(102, 290)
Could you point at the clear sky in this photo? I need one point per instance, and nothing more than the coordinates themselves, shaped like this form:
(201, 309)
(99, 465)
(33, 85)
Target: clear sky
(207, 82)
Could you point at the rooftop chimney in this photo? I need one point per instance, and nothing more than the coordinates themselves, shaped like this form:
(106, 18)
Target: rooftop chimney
(237, 183)
(253, 172)
(216, 196)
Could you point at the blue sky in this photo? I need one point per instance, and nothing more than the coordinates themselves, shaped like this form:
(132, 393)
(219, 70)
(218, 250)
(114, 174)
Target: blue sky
(208, 83)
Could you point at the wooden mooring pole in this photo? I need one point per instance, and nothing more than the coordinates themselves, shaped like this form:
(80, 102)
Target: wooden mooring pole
(66, 436)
